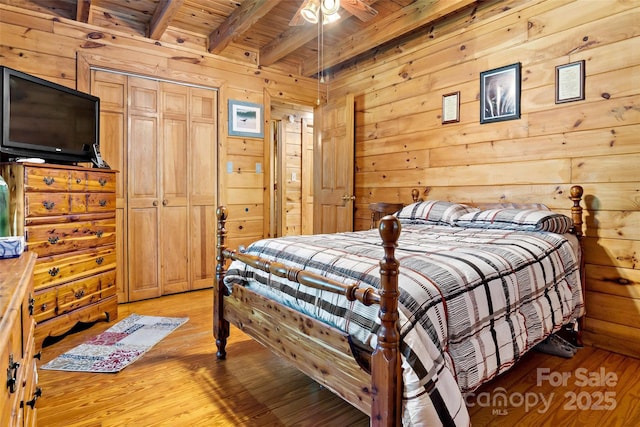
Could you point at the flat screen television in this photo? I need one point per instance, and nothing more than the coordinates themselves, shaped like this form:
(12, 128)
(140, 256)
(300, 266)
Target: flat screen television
(42, 119)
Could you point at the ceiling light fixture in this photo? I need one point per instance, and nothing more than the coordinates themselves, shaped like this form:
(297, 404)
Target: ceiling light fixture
(310, 12)
(328, 8)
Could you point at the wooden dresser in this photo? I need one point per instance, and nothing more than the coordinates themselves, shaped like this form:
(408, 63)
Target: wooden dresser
(20, 392)
(67, 215)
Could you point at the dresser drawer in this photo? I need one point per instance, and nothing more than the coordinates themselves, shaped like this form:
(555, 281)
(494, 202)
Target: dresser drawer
(101, 182)
(57, 269)
(53, 179)
(11, 366)
(57, 300)
(28, 322)
(46, 204)
(45, 305)
(45, 179)
(9, 406)
(101, 202)
(51, 239)
(86, 291)
(31, 390)
(54, 204)
(77, 181)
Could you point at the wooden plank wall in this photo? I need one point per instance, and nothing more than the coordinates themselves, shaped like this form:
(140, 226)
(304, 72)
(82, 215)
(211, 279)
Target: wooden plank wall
(402, 144)
(57, 49)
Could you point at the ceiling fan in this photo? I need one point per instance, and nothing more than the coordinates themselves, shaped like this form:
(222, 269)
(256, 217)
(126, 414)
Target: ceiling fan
(310, 10)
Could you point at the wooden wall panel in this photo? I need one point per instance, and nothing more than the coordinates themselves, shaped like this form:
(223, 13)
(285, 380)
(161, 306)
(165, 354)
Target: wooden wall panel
(536, 158)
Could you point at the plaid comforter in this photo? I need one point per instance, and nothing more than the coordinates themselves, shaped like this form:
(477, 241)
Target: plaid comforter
(472, 301)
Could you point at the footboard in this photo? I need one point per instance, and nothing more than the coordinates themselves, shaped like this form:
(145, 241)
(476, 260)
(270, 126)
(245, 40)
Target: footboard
(385, 382)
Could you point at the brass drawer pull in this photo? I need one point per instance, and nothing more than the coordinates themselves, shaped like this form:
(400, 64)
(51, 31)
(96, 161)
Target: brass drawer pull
(48, 180)
(53, 240)
(79, 293)
(53, 272)
(78, 180)
(48, 205)
(99, 260)
(102, 182)
(102, 203)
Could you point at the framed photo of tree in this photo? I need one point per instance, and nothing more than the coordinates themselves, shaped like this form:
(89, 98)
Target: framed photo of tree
(500, 94)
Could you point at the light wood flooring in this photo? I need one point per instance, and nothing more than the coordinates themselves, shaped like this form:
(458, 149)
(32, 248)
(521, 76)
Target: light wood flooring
(180, 383)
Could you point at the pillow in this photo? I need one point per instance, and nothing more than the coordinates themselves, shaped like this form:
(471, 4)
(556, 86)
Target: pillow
(433, 212)
(517, 219)
(509, 205)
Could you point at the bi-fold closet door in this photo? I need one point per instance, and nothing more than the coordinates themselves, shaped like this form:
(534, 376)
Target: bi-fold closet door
(163, 138)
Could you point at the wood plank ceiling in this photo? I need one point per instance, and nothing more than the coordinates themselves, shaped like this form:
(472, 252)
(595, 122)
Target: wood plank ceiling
(258, 31)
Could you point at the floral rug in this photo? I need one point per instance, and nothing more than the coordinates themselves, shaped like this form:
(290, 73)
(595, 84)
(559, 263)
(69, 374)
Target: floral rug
(117, 347)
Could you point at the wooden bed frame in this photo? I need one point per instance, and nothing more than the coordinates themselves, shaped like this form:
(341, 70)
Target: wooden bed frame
(370, 382)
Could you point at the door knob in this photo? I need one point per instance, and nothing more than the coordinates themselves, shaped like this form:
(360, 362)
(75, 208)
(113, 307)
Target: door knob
(165, 202)
(155, 203)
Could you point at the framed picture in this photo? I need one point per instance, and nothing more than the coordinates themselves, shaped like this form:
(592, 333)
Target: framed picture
(500, 94)
(245, 119)
(570, 82)
(451, 107)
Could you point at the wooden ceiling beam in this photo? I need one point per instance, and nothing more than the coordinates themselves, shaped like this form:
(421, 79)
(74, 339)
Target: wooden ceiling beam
(83, 7)
(286, 43)
(409, 18)
(162, 17)
(239, 22)
(360, 9)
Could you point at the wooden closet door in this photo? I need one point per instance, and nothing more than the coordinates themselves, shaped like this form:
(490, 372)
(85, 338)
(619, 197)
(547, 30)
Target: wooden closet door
(174, 222)
(143, 198)
(203, 161)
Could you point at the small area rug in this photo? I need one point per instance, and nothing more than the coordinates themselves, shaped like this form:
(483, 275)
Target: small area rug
(117, 347)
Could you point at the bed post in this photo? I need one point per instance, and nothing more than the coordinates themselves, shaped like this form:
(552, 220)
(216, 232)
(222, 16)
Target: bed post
(386, 387)
(220, 325)
(576, 210)
(574, 329)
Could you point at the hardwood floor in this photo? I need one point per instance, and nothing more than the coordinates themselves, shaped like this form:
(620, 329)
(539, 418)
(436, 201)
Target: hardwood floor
(180, 383)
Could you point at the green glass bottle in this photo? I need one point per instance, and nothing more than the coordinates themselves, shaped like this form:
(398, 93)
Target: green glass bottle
(4, 209)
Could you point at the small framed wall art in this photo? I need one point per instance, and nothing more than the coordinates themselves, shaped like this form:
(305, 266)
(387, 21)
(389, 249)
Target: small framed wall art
(451, 107)
(570, 82)
(245, 119)
(500, 94)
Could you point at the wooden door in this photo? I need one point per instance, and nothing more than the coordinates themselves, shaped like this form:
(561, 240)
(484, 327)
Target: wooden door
(203, 166)
(143, 198)
(333, 167)
(174, 213)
